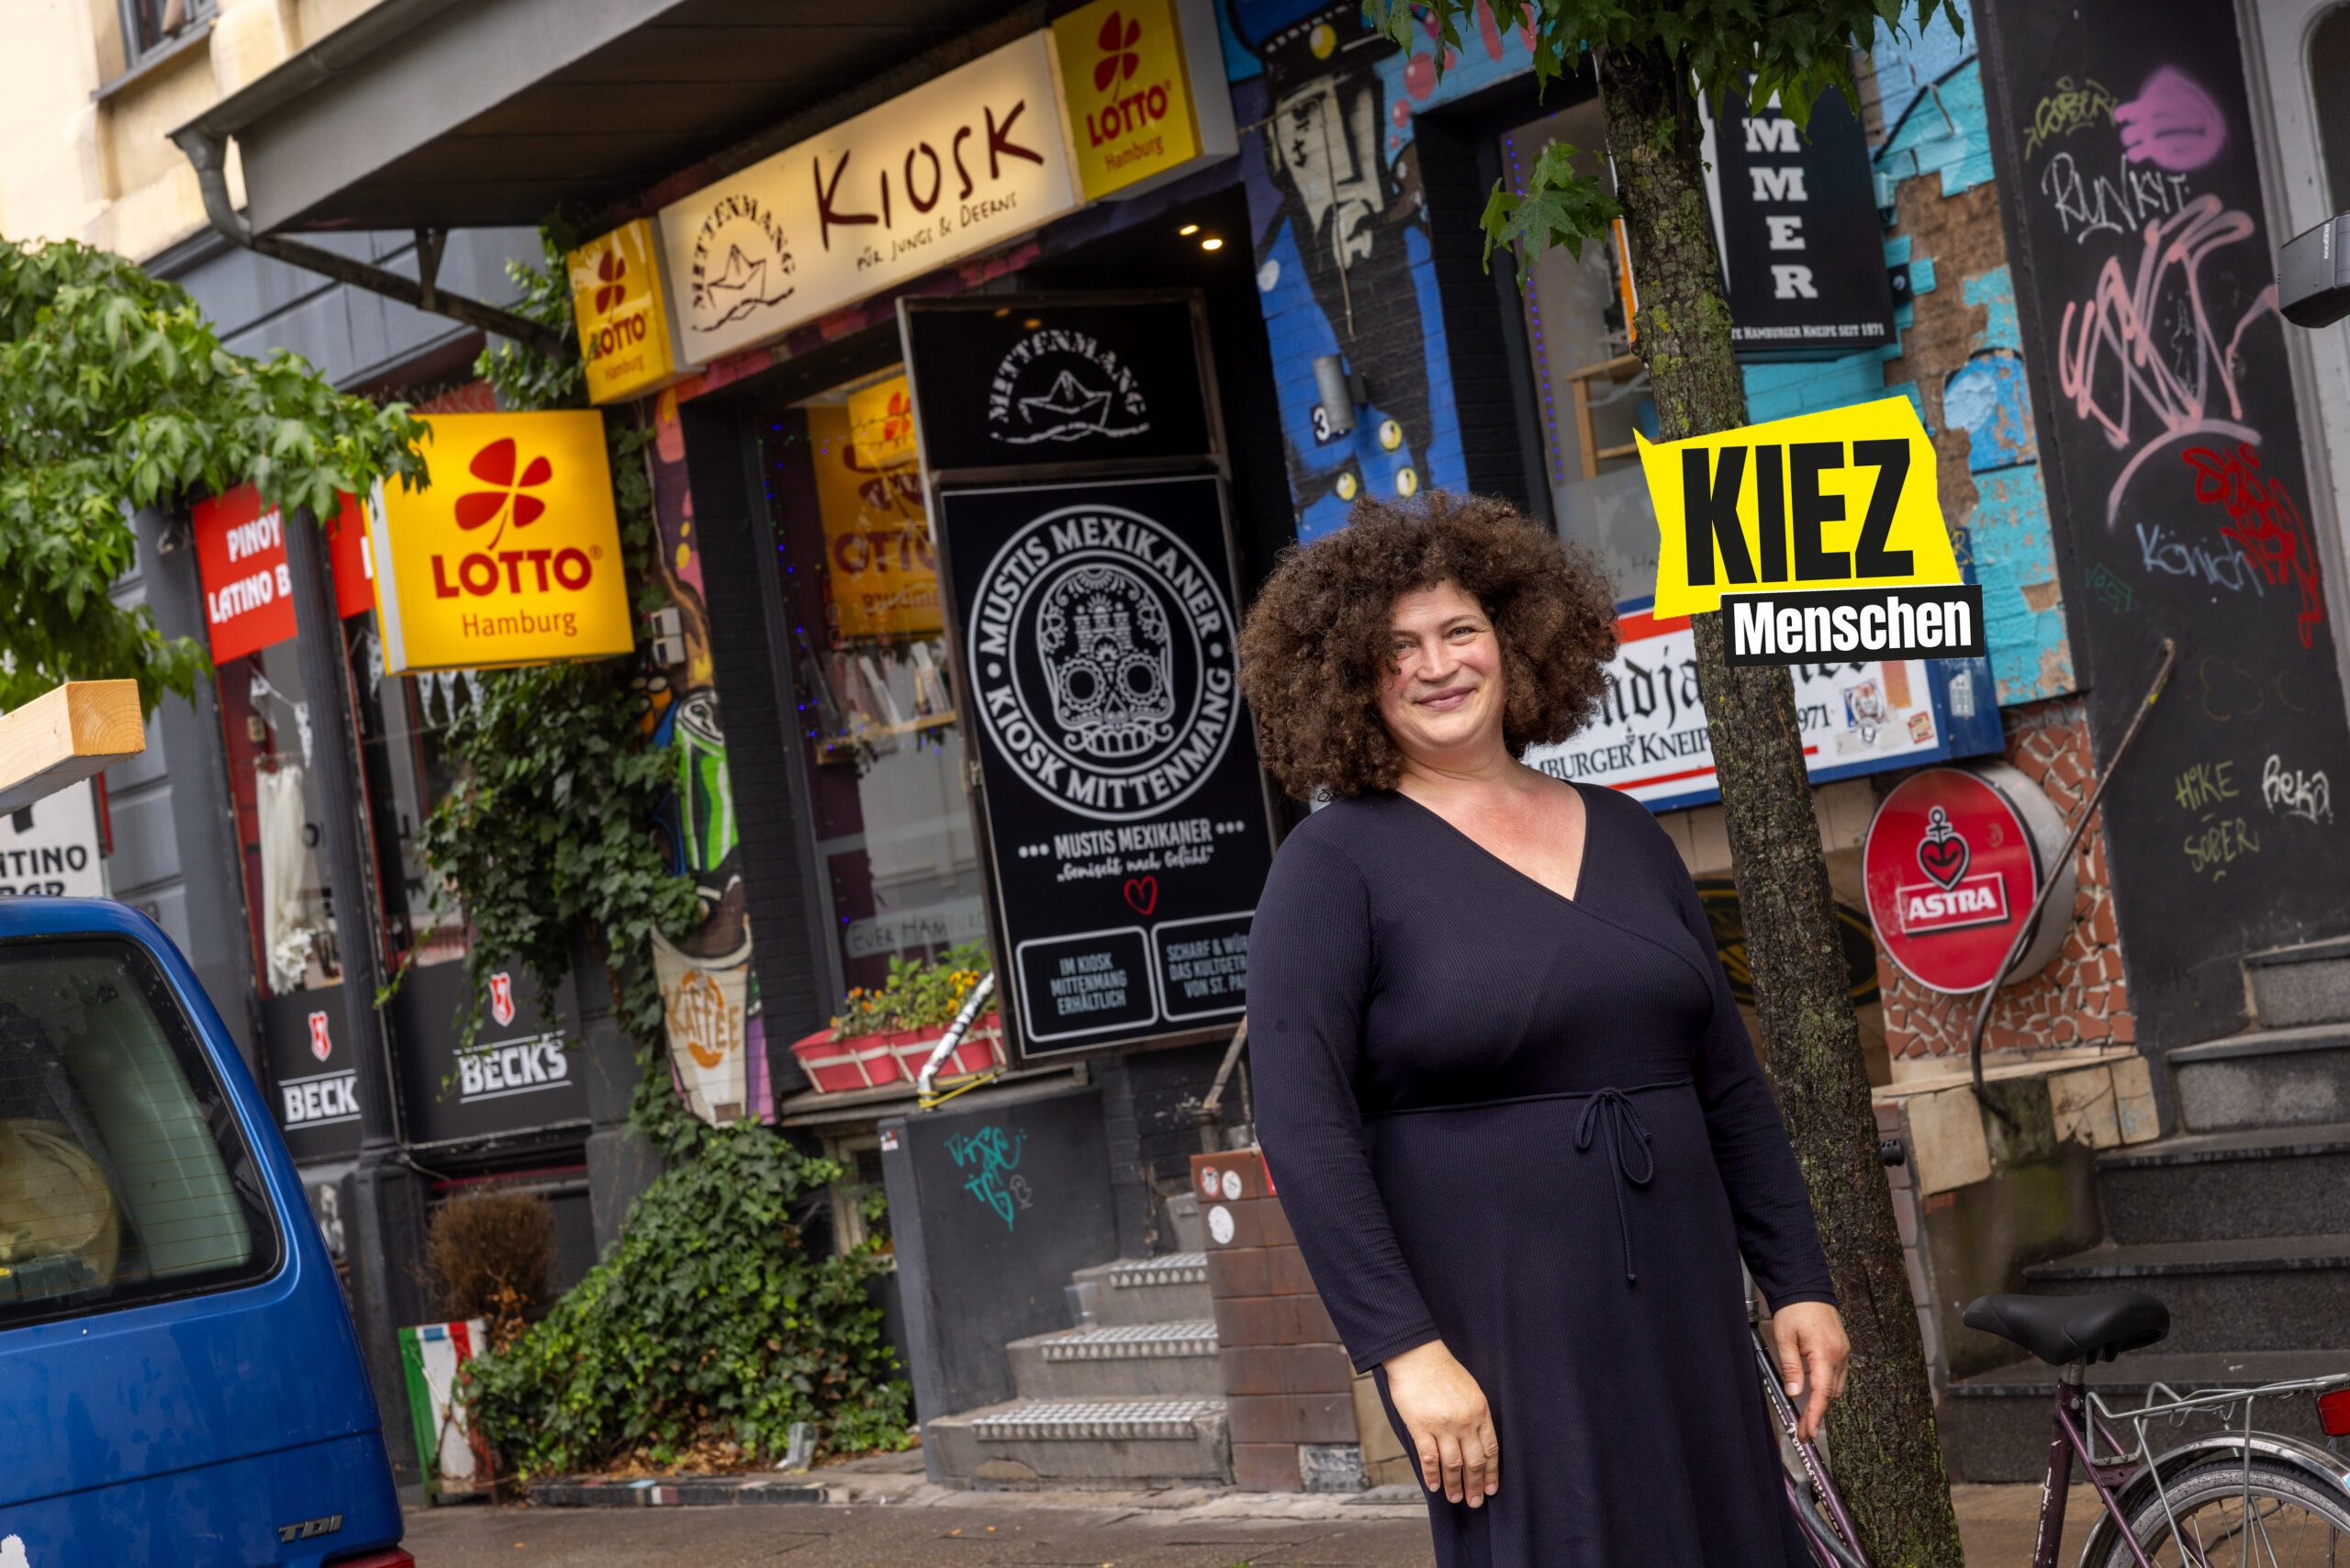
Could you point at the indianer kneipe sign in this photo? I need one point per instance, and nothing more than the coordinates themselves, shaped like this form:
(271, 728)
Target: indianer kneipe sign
(958, 165)
(511, 556)
(1125, 804)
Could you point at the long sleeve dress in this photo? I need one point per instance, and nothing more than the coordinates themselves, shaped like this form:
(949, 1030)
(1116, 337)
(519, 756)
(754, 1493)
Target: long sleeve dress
(1533, 1128)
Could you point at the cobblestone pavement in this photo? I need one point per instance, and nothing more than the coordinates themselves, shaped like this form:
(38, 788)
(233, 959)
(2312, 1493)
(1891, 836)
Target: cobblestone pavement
(893, 1517)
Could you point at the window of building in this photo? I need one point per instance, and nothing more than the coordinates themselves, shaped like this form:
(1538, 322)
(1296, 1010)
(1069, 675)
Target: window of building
(2330, 94)
(149, 25)
(895, 850)
(122, 1175)
(1590, 391)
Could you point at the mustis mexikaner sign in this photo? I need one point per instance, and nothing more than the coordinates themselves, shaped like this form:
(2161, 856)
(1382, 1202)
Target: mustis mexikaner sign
(1125, 804)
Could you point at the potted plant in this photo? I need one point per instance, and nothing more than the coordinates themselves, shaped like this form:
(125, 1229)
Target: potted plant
(884, 1034)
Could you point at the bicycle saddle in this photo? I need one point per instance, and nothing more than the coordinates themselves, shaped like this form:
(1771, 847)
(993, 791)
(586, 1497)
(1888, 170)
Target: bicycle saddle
(2061, 1329)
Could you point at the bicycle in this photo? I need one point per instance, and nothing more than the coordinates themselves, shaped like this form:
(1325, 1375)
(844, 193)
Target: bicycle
(2232, 1498)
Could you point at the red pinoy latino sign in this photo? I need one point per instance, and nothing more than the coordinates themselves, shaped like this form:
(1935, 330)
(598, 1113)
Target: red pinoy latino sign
(248, 591)
(1950, 867)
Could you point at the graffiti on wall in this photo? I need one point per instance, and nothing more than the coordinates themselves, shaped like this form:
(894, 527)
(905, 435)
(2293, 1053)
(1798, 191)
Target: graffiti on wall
(717, 1045)
(1343, 258)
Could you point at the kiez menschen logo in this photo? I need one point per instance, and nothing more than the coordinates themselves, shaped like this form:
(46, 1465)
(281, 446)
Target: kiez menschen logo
(1058, 385)
(1101, 653)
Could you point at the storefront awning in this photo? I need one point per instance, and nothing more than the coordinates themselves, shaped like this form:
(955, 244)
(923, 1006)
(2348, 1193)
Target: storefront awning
(450, 113)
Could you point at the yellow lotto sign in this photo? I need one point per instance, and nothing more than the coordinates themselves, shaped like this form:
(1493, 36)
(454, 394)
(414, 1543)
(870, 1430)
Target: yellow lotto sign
(617, 298)
(1129, 91)
(1843, 500)
(510, 557)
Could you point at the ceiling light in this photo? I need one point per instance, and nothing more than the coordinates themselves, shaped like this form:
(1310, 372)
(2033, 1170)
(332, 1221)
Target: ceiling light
(1211, 243)
(1032, 323)
(1188, 229)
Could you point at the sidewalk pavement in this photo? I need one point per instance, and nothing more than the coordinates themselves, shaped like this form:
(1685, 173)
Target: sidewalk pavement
(882, 1511)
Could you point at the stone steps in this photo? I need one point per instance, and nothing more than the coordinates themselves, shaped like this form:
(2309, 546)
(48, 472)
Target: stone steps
(1172, 1288)
(2264, 1078)
(1080, 1442)
(2307, 983)
(2259, 1293)
(2211, 1186)
(1131, 1361)
(1995, 1425)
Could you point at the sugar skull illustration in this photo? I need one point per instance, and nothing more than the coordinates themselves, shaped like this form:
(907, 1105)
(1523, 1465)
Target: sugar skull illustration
(1103, 638)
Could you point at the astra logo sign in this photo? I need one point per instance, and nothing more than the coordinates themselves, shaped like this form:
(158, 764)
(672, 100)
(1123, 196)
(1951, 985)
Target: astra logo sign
(510, 556)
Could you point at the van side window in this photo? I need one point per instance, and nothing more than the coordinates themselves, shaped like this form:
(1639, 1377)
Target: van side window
(124, 1177)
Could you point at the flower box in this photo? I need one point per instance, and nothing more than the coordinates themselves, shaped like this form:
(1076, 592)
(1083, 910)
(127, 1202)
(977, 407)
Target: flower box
(870, 1062)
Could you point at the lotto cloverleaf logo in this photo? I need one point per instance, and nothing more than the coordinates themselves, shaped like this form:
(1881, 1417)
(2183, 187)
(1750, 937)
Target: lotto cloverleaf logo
(610, 290)
(1118, 61)
(494, 466)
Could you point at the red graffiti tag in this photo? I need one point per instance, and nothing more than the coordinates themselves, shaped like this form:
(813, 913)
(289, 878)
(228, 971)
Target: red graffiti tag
(2263, 520)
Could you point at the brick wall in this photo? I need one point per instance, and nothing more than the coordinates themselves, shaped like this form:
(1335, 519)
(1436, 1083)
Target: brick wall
(2082, 998)
(1290, 1394)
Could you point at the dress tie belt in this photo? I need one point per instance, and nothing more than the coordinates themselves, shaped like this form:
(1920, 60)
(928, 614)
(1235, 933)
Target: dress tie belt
(1610, 1112)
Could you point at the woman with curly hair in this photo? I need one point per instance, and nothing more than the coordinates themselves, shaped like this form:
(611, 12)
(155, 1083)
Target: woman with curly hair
(1513, 1112)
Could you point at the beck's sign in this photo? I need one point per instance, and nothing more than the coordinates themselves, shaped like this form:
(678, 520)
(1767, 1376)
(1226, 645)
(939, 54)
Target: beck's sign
(511, 556)
(1819, 515)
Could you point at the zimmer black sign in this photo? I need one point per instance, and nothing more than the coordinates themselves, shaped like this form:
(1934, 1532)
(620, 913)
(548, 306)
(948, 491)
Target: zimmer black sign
(1125, 807)
(1802, 246)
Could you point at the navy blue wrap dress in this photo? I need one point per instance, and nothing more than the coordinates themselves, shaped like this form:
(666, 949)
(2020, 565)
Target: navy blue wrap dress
(1534, 1127)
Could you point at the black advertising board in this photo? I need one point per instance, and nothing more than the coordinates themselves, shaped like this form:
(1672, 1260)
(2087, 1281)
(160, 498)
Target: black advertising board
(310, 1073)
(2164, 405)
(1012, 382)
(519, 1077)
(1803, 249)
(1123, 805)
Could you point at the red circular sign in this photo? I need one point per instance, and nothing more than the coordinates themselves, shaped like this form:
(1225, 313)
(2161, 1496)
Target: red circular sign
(1950, 869)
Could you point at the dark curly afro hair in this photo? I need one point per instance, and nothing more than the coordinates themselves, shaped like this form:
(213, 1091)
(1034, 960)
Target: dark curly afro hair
(1315, 649)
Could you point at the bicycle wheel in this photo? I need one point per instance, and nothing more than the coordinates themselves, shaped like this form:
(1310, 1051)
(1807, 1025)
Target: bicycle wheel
(2292, 1522)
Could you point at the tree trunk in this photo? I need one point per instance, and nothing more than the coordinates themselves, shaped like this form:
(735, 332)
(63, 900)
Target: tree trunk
(1888, 1462)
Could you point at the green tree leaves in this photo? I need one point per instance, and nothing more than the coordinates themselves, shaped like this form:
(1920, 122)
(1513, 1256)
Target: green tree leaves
(115, 395)
(1793, 49)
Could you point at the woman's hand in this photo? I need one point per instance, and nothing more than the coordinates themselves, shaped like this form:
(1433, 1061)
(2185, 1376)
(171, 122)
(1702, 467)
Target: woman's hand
(1445, 1411)
(1813, 1352)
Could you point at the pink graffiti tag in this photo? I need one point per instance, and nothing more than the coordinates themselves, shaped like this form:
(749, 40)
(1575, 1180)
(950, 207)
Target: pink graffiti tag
(2172, 123)
(2129, 337)
(2264, 520)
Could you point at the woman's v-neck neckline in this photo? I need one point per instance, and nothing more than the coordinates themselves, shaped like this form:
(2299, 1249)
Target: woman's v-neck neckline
(1583, 859)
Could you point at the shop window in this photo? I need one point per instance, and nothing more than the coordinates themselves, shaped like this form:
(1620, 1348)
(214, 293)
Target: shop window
(271, 745)
(151, 25)
(894, 844)
(123, 1177)
(2330, 95)
(1590, 391)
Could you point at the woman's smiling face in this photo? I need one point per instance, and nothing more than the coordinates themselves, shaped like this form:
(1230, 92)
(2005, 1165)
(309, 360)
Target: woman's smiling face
(1441, 696)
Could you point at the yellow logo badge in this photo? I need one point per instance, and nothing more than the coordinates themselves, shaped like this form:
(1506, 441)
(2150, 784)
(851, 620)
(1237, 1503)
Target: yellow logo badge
(1129, 93)
(511, 556)
(622, 307)
(1841, 499)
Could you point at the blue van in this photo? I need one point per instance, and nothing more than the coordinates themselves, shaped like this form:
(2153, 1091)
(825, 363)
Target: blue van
(179, 1378)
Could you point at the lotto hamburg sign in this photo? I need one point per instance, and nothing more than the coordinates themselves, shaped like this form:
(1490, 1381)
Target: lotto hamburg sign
(1952, 862)
(511, 555)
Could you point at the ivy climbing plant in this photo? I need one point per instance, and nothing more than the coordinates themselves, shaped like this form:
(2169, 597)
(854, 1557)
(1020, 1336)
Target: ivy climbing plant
(708, 1328)
(116, 395)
